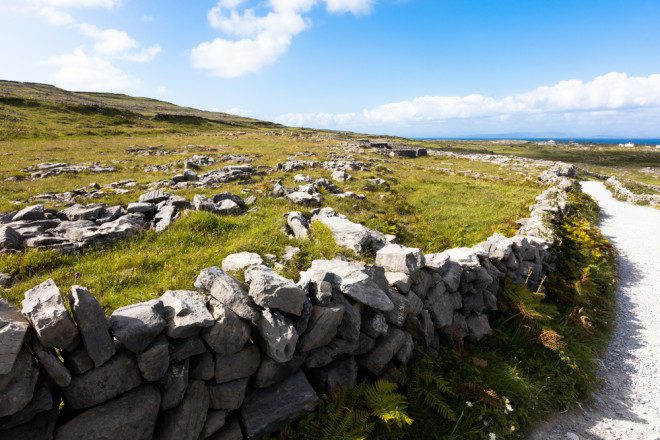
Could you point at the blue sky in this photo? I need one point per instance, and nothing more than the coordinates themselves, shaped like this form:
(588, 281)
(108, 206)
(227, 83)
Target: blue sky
(409, 67)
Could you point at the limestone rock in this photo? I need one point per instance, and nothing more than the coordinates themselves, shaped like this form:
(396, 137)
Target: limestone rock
(229, 395)
(231, 430)
(17, 387)
(5, 280)
(141, 208)
(131, 416)
(155, 197)
(238, 365)
(270, 371)
(298, 224)
(186, 421)
(31, 213)
(13, 328)
(401, 281)
(278, 335)
(184, 348)
(80, 212)
(268, 289)
(41, 401)
(229, 292)
(174, 384)
(54, 368)
(202, 366)
(341, 373)
(185, 312)
(9, 238)
(322, 327)
(386, 348)
(137, 325)
(101, 384)
(240, 261)
(397, 258)
(268, 409)
(349, 234)
(155, 360)
(93, 325)
(305, 198)
(229, 333)
(478, 327)
(44, 308)
(78, 361)
(214, 421)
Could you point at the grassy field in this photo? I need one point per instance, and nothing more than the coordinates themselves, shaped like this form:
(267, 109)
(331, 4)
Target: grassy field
(430, 202)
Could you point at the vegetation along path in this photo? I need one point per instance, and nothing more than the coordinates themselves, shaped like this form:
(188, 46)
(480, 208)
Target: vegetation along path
(627, 406)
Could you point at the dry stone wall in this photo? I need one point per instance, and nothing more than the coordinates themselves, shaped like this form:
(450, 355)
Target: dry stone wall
(234, 360)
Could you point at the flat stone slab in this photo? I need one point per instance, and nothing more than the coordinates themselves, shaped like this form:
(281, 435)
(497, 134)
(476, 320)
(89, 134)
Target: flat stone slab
(186, 421)
(185, 312)
(397, 258)
(266, 410)
(240, 261)
(131, 416)
(93, 325)
(270, 290)
(229, 291)
(17, 387)
(13, 327)
(137, 325)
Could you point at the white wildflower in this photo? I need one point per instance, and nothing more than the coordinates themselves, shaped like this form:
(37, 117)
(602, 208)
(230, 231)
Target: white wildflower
(469, 404)
(491, 436)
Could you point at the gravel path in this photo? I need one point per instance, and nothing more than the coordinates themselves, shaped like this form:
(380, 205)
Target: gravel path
(628, 404)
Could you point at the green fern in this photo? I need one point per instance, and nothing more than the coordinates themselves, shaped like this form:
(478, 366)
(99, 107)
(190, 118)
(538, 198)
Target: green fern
(423, 384)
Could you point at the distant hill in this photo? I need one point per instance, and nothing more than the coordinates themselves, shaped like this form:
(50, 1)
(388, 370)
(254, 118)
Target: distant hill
(33, 110)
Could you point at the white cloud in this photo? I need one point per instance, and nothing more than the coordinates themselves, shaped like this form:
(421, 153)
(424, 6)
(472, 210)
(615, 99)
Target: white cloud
(76, 3)
(108, 41)
(236, 111)
(144, 55)
(602, 97)
(52, 15)
(81, 71)
(259, 40)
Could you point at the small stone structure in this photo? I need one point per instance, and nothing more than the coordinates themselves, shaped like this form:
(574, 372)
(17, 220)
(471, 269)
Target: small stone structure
(233, 360)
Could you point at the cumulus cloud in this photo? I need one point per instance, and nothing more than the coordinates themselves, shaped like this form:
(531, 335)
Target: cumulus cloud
(83, 71)
(601, 97)
(254, 41)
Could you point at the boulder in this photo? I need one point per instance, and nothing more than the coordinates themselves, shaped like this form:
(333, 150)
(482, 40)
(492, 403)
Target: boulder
(174, 384)
(238, 365)
(137, 325)
(397, 258)
(270, 290)
(44, 308)
(9, 239)
(386, 348)
(277, 335)
(185, 313)
(229, 333)
(30, 213)
(183, 348)
(13, 328)
(110, 214)
(229, 292)
(214, 421)
(229, 395)
(305, 198)
(52, 365)
(298, 224)
(270, 371)
(240, 261)
(374, 324)
(41, 401)
(268, 409)
(93, 325)
(322, 327)
(17, 387)
(131, 416)
(186, 421)
(88, 212)
(101, 384)
(340, 176)
(164, 217)
(349, 234)
(141, 208)
(155, 360)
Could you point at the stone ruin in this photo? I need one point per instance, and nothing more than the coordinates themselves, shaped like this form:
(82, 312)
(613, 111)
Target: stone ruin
(234, 360)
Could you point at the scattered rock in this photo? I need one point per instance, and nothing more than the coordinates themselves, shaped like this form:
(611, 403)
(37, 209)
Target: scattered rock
(240, 261)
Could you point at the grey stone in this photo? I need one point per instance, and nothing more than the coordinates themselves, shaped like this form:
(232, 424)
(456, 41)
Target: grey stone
(41, 426)
(322, 327)
(341, 373)
(365, 344)
(349, 329)
(214, 421)
(5, 280)
(228, 395)
(202, 366)
(401, 281)
(34, 212)
(52, 365)
(441, 305)
(17, 387)
(41, 401)
(349, 234)
(268, 409)
(452, 276)
(229, 333)
(78, 361)
(298, 224)
(44, 308)
(185, 348)
(305, 198)
(137, 325)
(231, 430)
(110, 214)
(88, 212)
(92, 324)
(186, 421)
(270, 371)
(405, 353)
(386, 348)
(397, 258)
(229, 292)
(131, 416)
(185, 312)
(13, 328)
(478, 327)
(9, 238)
(174, 384)
(155, 360)
(374, 324)
(237, 366)
(141, 208)
(397, 316)
(155, 196)
(322, 356)
(164, 217)
(268, 289)
(101, 384)
(278, 335)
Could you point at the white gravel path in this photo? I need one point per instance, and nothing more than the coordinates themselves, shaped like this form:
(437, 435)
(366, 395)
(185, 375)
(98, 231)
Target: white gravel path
(628, 404)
